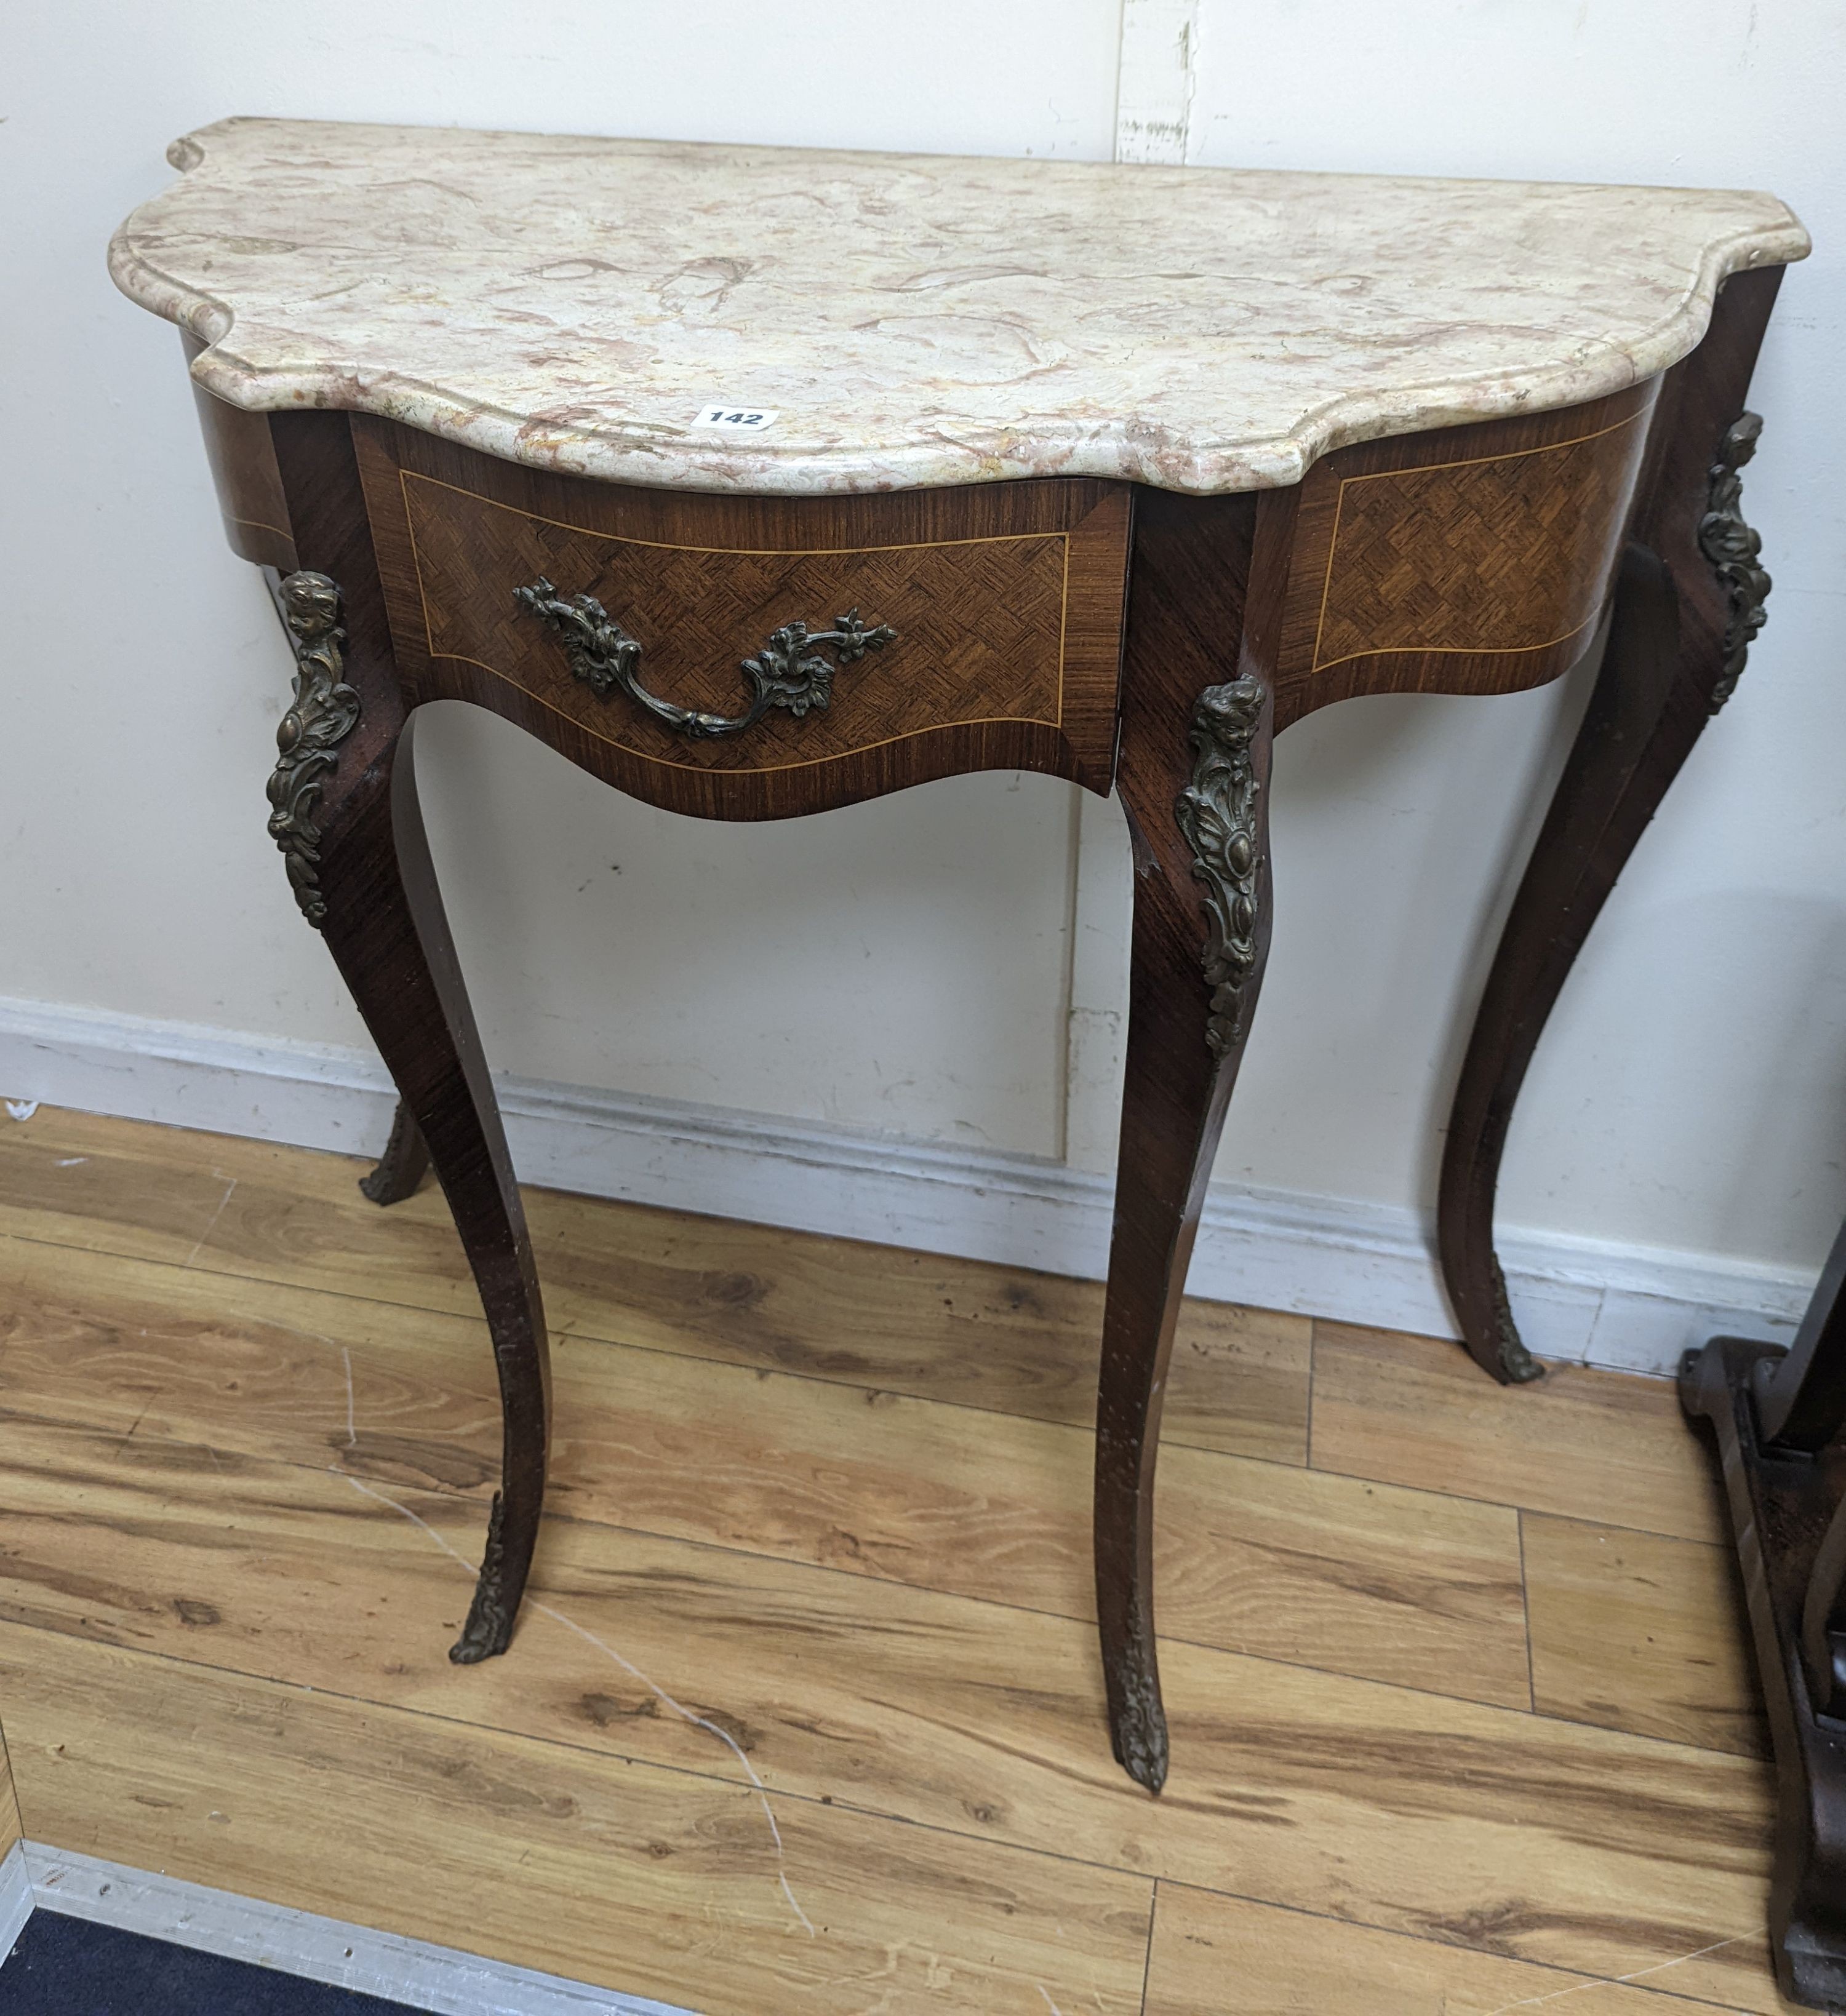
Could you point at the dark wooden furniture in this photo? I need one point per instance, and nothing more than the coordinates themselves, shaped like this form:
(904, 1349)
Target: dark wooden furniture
(1777, 1417)
(746, 657)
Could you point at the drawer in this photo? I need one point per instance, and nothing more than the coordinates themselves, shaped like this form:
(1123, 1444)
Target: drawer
(750, 656)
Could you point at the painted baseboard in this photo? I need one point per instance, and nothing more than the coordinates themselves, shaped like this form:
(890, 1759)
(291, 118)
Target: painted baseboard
(437, 1979)
(1578, 1300)
(16, 1896)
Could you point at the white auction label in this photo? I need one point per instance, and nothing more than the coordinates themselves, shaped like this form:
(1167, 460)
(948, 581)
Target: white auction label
(735, 419)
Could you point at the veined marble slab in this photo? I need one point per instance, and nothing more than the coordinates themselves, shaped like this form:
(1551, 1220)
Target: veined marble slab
(908, 320)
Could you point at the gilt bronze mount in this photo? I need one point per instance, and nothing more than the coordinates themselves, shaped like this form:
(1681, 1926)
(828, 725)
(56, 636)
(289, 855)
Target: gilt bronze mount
(1734, 550)
(324, 711)
(787, 672)
(1217, 812)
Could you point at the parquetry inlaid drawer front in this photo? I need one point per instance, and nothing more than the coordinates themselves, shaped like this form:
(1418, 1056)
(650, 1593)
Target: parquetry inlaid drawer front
(1479, 558)
(761, 638)
(969, 632)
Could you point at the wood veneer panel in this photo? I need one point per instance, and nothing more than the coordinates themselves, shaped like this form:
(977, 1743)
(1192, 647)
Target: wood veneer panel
(1007, 599)
(1475, 560)
(1256, 1558)
(938, 1328)
(1479, 1826)
(1585, 1444)
(658, 1882)
(1634, 1631)
(246, 475)
(1217, 1955)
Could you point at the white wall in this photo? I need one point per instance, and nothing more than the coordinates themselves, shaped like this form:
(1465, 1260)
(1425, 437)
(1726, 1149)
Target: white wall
(901, 965)
(1691, 1089)
(912, 966)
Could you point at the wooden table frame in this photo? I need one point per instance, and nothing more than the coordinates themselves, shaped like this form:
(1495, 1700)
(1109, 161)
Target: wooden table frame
(1233, 630)
(1779, 1419)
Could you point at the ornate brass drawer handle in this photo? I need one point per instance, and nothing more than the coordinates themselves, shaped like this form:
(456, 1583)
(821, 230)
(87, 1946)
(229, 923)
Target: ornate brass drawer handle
(787, 672)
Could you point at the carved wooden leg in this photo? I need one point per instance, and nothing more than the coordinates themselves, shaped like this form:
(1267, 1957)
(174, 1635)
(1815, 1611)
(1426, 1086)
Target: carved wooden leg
(385, 925)
(404, 1164)
(351, 833)
(1607, 795)
(344, 813)
(1689, 600)
(401, 1169)
(1194, 777)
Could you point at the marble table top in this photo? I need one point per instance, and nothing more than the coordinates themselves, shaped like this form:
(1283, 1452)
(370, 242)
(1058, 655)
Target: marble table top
(589, 305)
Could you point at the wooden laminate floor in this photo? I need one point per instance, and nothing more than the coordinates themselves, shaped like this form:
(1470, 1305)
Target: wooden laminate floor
(806, 1713)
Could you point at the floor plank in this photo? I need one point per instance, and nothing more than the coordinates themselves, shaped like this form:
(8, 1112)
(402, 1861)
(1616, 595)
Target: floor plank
(966, 1331)
(659, 1882)
(1217, 1955)
(1543, 1840)
(827, 1504)
(1253, 1557)
(1581, 1443)
(1633, 1631)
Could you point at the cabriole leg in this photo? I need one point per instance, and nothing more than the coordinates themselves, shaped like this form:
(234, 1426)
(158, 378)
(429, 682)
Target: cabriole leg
(404, 1164)
(1618, 768)
(1689, 600)
(359, 864)
(386, 927)
(1201, 935)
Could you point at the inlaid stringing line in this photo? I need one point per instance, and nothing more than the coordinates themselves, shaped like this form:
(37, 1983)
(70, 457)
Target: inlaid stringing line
(759, 770)
(1423, 469)
(739, 552)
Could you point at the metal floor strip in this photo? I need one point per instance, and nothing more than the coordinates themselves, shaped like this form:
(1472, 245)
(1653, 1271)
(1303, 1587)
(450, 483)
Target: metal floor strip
(438, 1979)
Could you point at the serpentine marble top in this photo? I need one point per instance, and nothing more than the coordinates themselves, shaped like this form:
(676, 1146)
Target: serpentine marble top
(906, 320)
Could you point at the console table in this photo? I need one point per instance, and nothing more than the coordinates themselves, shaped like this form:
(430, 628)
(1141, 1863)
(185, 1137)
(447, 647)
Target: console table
(759, 480)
